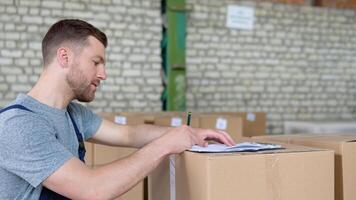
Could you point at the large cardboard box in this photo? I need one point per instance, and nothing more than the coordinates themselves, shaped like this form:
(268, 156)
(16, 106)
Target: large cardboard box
(148, 117)
(253, 123)
(230, 124)
(89, 154)
(161, 176)
(158, 181)
(176, 119)
(344, 147)
(125, 118)
(103, 154)
(106, 154)
(292, 174)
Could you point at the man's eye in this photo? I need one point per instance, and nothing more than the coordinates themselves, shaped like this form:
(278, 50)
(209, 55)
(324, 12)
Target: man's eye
(95, 63)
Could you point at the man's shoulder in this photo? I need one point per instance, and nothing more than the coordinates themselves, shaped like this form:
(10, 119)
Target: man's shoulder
(15, 110)
(17, 116)
(18, 123)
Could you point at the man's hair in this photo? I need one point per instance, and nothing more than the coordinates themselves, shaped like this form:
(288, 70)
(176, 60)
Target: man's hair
(72, 31)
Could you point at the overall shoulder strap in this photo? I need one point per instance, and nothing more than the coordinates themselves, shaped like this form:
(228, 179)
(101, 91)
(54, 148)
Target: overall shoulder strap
(75, 125)
(81, 149)
(15, 106)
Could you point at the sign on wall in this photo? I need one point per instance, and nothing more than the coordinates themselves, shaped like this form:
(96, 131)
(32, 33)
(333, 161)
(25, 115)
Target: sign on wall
(240, 17)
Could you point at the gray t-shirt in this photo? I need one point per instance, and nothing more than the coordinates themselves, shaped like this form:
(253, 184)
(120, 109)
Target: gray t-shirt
(34, 145)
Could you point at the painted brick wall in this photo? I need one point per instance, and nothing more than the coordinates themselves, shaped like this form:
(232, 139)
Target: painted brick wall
(133, 54)
(297, 63)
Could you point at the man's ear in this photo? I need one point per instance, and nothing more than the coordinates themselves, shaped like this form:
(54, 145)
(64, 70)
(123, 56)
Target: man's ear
(63, 57)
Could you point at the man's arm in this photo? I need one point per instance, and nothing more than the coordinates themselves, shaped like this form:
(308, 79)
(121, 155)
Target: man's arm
(77, 181)
(110, 133)
(113, 134)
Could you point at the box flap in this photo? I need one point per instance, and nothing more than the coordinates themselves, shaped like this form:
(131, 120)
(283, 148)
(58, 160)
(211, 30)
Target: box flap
(287, 148)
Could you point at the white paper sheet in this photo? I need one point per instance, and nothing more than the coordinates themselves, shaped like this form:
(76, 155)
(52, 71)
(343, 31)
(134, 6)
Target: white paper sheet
(240, 147)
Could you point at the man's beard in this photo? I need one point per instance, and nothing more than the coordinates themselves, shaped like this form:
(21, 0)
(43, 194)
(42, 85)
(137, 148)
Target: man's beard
(80, 85)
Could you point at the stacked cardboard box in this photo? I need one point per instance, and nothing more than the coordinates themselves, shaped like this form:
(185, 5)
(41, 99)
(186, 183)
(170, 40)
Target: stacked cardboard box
(344, 147)
(230, 124)
(89, 154)
(292, 173)
(161, 176)
(148, 117)
(102, 154)
(98, 155)
(237, 124)
(253, 123)
(175, 119)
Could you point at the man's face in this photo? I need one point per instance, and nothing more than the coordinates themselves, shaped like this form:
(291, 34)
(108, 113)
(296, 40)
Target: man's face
(87, 70)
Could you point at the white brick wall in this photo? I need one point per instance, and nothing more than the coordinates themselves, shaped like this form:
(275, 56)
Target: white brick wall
(297, 63)
(133, 48)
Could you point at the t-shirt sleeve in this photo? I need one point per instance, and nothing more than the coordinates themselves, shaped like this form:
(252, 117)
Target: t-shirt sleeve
(30, 149)
(89, 122)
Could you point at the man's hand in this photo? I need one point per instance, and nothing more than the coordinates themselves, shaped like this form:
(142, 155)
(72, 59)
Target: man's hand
(214, 135)
(184, 137)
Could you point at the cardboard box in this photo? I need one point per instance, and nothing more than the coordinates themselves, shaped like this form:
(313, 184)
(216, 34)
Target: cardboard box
(89, 154)
(254, 123)
(230, 124)
(136, 193)
(160, 177)
(147, 116)
(293, 173)
(345, 160)
(296, 173)
(125, 118)
(106, 154)
(176, 119)
(103, 154)
(158, 182)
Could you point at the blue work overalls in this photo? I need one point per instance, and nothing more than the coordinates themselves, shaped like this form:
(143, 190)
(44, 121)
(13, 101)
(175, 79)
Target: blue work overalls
(47, 194)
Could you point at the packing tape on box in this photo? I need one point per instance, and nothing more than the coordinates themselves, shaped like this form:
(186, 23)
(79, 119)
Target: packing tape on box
(172, 177)
(175, 122)
(273, 177)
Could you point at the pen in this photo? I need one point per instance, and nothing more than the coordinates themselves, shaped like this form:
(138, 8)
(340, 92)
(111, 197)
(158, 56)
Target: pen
(189, 118)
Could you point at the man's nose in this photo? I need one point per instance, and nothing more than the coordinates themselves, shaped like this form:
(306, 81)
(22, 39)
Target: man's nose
(102, 73)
